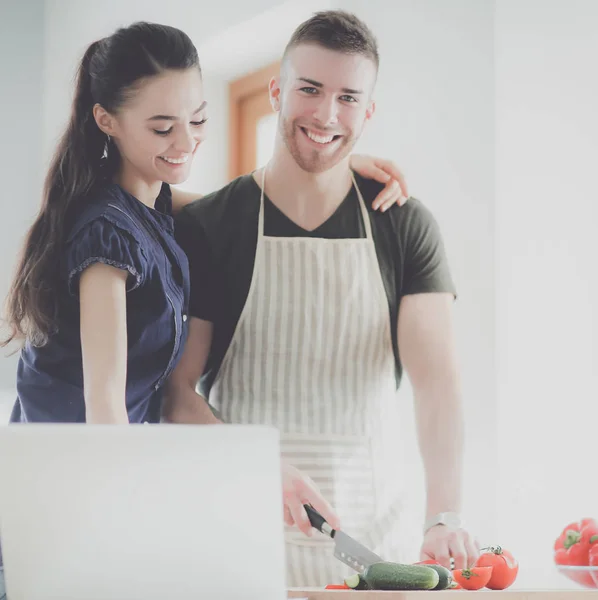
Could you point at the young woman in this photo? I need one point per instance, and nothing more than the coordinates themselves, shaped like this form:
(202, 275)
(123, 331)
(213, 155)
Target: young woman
(100, 296)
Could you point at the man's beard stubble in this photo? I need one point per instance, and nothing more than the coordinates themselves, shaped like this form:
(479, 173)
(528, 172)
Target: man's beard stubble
(314, 161)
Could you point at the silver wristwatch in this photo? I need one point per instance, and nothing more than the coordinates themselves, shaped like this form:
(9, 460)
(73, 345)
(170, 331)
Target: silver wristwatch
(450, 519)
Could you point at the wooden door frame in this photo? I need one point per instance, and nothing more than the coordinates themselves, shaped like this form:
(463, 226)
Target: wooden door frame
(239, 90)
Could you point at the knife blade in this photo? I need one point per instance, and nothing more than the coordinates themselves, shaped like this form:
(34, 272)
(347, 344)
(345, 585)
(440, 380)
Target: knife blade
(346, 549)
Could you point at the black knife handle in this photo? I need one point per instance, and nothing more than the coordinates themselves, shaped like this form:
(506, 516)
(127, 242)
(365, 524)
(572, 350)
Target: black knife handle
(317, 520)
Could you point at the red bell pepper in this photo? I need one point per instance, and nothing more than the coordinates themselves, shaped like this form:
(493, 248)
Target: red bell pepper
(573, 546)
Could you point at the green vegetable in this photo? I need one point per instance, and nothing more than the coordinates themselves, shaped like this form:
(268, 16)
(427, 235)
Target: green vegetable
(395, 576)
(445, 577)
(356, 582)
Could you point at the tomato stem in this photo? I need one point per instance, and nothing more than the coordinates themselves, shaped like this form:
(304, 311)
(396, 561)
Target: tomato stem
(468, 573)
(594, 539)
(493, 549)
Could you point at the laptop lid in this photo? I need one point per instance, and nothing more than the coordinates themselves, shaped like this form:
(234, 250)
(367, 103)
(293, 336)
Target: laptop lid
(138, 512)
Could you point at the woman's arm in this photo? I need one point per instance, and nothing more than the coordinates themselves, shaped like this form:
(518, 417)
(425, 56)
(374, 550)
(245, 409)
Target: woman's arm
(180, 199)
(383, 170)
(102, 295)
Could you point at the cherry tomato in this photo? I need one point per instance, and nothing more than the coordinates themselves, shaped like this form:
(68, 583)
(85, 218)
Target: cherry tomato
(473, 579)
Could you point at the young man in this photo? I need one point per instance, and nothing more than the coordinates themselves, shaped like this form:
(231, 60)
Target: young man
(302, 296)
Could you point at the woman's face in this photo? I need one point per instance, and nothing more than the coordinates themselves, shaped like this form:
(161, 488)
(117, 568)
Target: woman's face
(161, 125)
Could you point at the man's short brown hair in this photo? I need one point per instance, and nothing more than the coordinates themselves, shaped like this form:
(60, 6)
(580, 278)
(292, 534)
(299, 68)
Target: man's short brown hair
(336, 30)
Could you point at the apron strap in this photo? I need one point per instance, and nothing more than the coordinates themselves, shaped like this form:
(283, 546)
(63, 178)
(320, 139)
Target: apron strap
(364, 211)
(260, 222)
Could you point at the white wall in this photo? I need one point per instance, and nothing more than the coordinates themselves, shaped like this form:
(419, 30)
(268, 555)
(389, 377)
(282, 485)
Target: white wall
(547, 316)
(21, 49)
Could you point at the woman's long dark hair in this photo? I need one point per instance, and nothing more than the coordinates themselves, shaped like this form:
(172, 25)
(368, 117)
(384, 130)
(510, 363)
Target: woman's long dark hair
(107, 75)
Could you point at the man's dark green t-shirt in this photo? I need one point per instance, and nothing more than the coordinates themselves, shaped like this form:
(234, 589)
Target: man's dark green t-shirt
(219, 235)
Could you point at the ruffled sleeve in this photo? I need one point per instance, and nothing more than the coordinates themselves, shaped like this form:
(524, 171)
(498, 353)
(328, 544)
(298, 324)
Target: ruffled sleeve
(101, 241)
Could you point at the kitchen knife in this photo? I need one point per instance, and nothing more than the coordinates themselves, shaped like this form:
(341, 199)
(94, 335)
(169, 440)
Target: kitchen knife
(346, 549)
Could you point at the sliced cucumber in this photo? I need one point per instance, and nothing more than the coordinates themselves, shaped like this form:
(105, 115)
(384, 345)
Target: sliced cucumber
(356, 582)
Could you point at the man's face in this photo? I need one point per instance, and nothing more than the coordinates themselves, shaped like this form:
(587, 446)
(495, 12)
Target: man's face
(324, 99)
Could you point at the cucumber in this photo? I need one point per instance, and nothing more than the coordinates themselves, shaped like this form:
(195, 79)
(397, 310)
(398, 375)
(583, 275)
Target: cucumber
(356, 582)
(445, 577)
(395, 576)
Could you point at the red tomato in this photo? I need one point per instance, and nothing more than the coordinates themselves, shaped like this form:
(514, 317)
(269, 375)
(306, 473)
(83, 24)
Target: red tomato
(473, 579)
(504, 567)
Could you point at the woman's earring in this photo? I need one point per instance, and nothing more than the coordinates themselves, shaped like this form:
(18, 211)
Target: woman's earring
(106, 144)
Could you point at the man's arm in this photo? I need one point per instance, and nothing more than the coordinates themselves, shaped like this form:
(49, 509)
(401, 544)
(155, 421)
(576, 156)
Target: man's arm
(182, 404)
(426, 342)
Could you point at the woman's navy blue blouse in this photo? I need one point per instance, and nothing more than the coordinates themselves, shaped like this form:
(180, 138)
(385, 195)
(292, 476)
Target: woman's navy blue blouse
(114, 228)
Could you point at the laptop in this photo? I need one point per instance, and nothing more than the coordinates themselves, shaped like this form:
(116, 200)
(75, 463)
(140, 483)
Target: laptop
(141, 512)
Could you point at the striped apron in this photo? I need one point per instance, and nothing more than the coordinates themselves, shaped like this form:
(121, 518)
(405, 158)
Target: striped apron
(312, 355)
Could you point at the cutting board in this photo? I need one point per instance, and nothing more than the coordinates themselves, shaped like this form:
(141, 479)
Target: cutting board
(312, 594)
